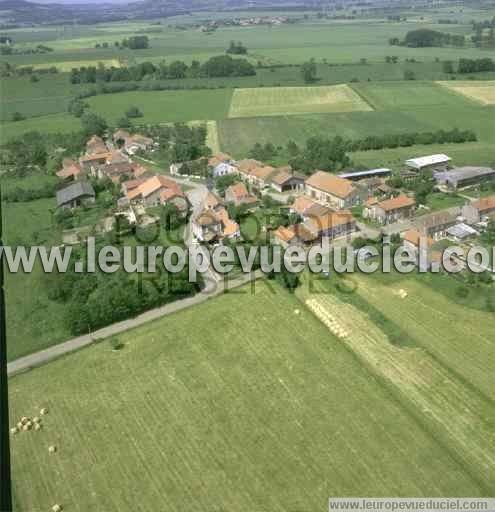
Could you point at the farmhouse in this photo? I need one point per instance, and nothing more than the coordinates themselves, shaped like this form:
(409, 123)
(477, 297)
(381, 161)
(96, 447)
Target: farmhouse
(71, 170)
(149, 192)
(301, 205)
(221, 164)
(331, 224)
(238, 194)
(96, 145)
(136, 143)
(436, 224)
(284, 180)
(412, 239)
(285, 236)
(439, 161)
(461, 177)
(260, 176)
(213, 223)
(390, 210)
(477, 210)
(76, 194)
(331, 190)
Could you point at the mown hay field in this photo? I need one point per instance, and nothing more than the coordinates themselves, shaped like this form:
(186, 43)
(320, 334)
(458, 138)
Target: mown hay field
(66, 66)
(273, 101)
(407, 95)
(245, 402)
(482, 92)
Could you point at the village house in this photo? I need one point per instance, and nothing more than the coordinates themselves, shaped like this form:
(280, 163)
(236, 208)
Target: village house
(436, 224)
(260, 176)
(285, 236)
(461, 177)
(71, 170)
(301, 204)
(221, 164)
(137, 142)
(438, 161)
(331, 190)
(76, 194)
(331, 224)
(478, 210)
(284, 180)
(412, 238)
(390, 210)
(149, 192)
(96, 145)
(213, 222)
(238, 194)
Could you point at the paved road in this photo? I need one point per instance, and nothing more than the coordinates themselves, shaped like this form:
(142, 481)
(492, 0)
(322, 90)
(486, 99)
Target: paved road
(47, 355)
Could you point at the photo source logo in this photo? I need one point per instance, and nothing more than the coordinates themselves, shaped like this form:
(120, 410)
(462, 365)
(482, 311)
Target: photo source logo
(414, 504)
(221, 259)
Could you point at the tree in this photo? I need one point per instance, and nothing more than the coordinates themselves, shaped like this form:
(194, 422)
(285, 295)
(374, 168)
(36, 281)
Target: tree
(93, 124)
(448, 67)
(16, 116)
(308, 71)
(292, 148)
(124, 122)
(133, 112)
(409, 75)
(77, 107)
(177, 69)
(223, 182)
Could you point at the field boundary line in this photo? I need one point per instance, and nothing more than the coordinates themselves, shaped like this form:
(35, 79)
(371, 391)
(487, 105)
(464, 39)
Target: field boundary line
(373, 107)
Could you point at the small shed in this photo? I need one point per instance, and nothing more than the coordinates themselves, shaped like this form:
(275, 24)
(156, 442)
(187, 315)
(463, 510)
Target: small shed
(75, 194)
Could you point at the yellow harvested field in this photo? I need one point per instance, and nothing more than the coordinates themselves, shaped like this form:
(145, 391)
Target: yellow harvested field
(68, 65)
(481, 91)
(277, 101)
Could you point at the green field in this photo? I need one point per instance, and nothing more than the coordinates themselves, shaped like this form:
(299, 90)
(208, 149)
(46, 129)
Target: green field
(165, 106)
(276, 419)
(295, 100)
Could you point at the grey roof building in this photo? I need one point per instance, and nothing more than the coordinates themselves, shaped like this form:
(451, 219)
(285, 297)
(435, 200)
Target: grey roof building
(75, 194)
(464, 176)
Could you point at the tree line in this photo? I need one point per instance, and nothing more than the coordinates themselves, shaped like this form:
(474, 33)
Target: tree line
(331, 153)
(220, 66)
(425, 37)
(133, 43)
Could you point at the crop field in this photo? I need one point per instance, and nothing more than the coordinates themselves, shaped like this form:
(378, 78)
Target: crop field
(483, 92)
(165, 106)
(68, 65)
(406, 95)
(269, 420)
(295, 100)
(430, 387)
(427, 316)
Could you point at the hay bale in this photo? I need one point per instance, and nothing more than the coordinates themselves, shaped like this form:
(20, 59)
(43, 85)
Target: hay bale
(52, 449)
(14, 430)
(36, 419)
(19, 425)
(37, 426)
(24, 420)
(57, 508)
(44, 411)
(25, 428)
(296, 311)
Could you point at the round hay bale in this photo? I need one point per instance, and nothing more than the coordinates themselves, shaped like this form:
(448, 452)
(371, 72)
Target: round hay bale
(57, 508)
(14, 430)
(37, 426)
(24, 420)
(296, 311)
(52, 449)
(25, 428)
(44, 411)
(36, 419)
(19, 425)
